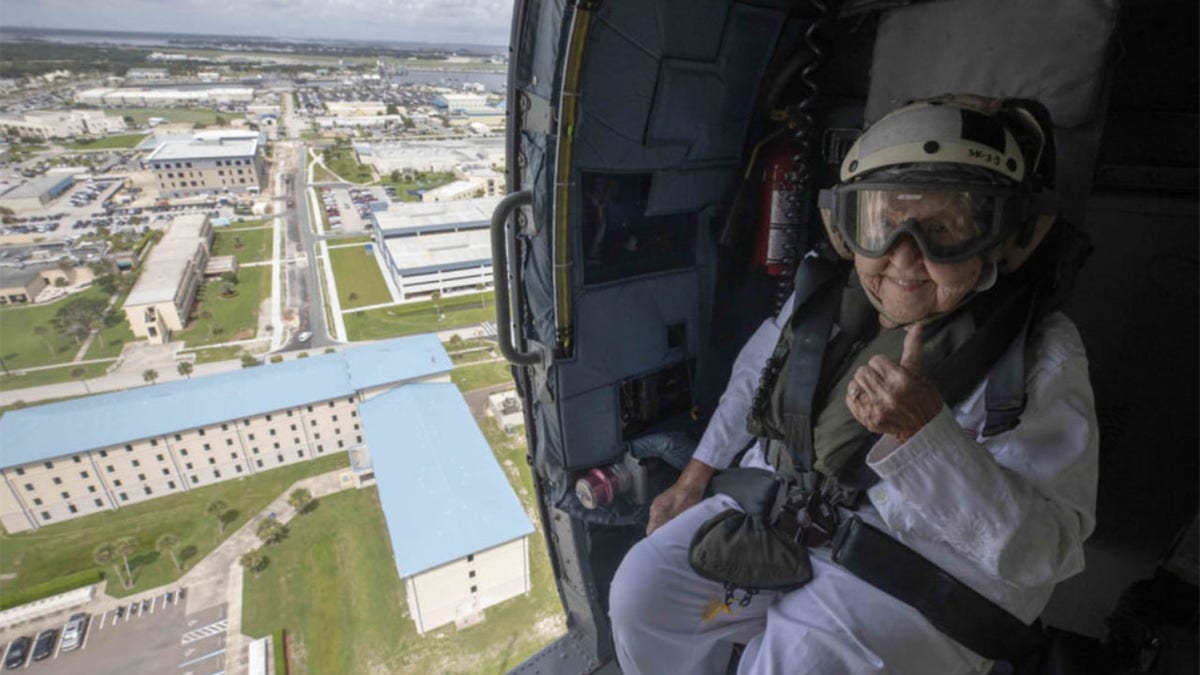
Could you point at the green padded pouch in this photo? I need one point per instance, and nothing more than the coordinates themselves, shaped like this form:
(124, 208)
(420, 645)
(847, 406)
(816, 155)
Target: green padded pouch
(744, 548)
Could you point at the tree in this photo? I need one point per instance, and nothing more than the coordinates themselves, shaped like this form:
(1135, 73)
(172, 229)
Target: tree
(150, 375)
(352, 297)
(248, 361)
(78, 374)
(44, 333)
(185, 369)
(61, 282)
(169, 544)
(271, 531)
(105, 554)
(217, 508)
(79, 316)
(300, 499)
(455, 340)
(253, 561)
(392, 109)
(124, 547)
(229, 277)
(395, 176)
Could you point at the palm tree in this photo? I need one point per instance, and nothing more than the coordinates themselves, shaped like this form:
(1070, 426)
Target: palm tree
(185, 368)
(169, 543)
(78, 374)
(104, 554)
(43, 332)
(124, 547)
(300, 499)
(217, 509)
(150, 375)
(253, 561)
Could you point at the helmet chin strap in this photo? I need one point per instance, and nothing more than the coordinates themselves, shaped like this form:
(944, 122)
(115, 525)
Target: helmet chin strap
(987, 279)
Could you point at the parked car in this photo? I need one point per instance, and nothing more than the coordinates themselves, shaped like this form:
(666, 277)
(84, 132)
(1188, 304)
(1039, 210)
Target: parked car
(43, 647)
(73, 632)
(304, 336)
(18, 651)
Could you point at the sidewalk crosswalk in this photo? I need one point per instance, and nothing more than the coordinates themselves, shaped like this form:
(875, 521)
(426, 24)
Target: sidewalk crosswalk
(204, 632)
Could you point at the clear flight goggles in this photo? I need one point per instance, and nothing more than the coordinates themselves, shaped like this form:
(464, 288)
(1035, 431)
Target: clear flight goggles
(949, 223)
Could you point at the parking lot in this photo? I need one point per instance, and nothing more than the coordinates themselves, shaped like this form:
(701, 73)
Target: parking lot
(349, 210)
(162, 638)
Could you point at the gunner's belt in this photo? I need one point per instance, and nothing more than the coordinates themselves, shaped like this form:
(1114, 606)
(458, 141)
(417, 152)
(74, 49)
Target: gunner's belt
(764, 546)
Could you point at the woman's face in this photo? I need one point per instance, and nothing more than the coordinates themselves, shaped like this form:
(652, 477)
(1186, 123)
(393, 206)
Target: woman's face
(911, 288)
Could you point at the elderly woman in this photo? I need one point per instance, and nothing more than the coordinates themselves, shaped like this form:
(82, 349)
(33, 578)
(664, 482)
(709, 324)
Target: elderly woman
(974, 505)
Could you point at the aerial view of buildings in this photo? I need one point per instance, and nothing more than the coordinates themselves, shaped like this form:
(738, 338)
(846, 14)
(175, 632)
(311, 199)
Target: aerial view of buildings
(246, 319)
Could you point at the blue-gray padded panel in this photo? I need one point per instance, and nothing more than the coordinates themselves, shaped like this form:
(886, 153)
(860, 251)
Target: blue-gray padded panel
(622, 332)
(683, 191)
(617, 82)
(591, 427)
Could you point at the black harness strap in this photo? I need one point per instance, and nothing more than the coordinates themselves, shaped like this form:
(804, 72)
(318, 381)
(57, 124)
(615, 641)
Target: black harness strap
(818, 296)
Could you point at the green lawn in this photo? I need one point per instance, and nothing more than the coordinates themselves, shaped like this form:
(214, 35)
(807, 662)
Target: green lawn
(419, 317)
(332, 585)
(358, 278)
(109, 342)
(19, 404)
(66, 548)
(246, 224)
(471, 356)
(108, 142)
(421, 181)
(185, 115)
(341, 161)
(323, 175)
(20, 347)
(233, 318)
(480, 375)
(218, 354)
(37, 378)
(341, 241)
(245, 245)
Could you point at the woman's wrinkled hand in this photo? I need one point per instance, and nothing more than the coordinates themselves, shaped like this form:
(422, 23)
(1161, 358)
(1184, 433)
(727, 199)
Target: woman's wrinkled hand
(684, 494)
(894, 399)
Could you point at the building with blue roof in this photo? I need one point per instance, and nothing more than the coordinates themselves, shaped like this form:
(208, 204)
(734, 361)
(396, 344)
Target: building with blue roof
(69, 459)
(458, 532)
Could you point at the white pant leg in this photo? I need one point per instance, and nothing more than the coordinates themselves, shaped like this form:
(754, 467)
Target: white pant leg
(838, 624)
(657, 604)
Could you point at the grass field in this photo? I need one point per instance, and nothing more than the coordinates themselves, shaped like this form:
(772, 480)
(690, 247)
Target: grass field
(480, 375)
(38, 378)
(419, 317)
(107, 143)
(342, 241)
(183, 115)
(19, 404)
(233, 318)
(245, 225)
(245, 245)
(342, 162)
(109, 342)
(323, 175)
(218, 354)
(66, 548)
(336, 571)
(20, 347)
(357, 274)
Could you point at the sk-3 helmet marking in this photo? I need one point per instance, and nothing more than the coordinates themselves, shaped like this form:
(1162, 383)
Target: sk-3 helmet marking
(953, 178)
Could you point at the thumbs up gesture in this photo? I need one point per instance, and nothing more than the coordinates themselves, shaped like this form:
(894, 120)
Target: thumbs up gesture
(894, 399)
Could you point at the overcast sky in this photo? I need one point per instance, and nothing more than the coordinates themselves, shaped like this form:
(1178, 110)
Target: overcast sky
(483, 22)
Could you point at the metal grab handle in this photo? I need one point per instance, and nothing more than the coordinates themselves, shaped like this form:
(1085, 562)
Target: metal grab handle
(500, 277)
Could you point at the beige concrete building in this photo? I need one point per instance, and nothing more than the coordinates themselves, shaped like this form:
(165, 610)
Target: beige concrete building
(208, 164)
(36, 193)
(163, 296)
(459, 591)
(20, 286)
(47, 124)
(70, 459)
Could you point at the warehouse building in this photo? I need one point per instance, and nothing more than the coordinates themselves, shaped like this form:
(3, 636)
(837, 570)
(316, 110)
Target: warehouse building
(163, 296)
(426, 156)
(37, 192)
(154, 97)
(438, 246)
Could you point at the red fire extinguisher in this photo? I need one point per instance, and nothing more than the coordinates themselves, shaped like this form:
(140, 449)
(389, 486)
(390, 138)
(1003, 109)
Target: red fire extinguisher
(779, 212)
